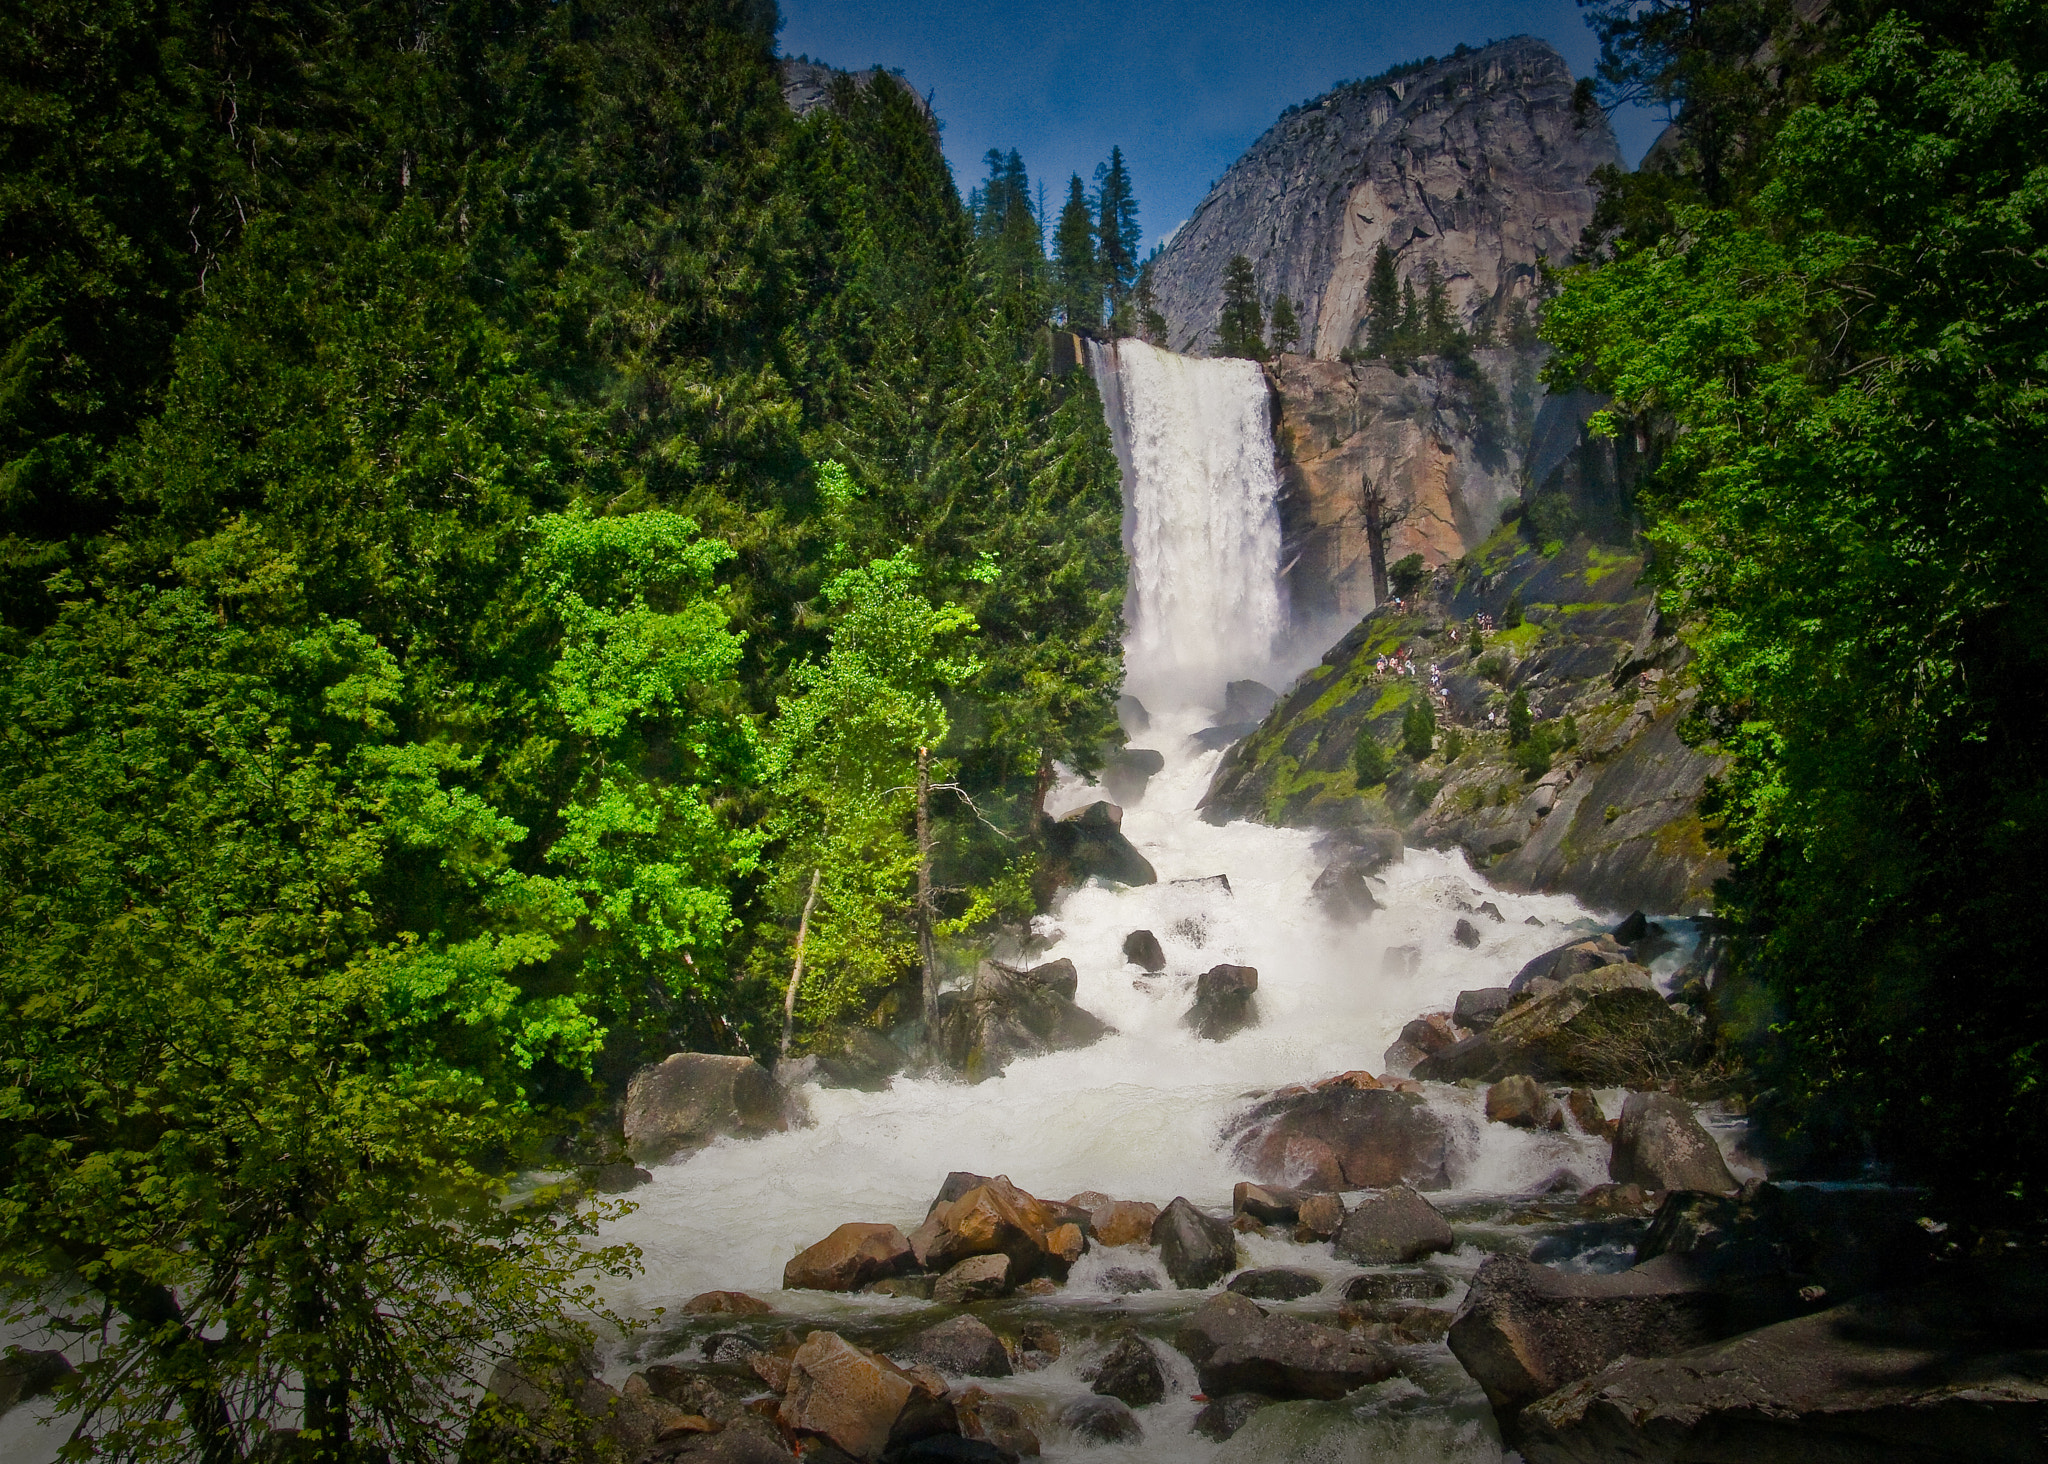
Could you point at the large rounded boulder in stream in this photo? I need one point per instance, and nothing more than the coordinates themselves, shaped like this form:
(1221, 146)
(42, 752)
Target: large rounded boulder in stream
(1009, 1013)
(1090, 844)
(690, 1098)
(1224, 1002)
(1661, 1145)
(1197, 1251)
(1343, 1138)
(1586, 1028)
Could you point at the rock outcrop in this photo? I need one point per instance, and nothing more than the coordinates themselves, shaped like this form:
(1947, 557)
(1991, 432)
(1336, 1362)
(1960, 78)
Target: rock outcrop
(1090, 844)
(1479, 163)
(1009, 1013)
(1197, 1250)
(690, 1098)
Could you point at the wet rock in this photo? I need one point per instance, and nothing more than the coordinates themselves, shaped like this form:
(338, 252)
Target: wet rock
(1124, 1222)
(690, 1098)
(1132, 714)
(1379, 1288)
(1276, 1283)
(1008, 1013)
(992, 1217)
(1465, 933)
(1397, 963)
(1224, 1004)
(853, 1057)
(730, 1303)
(1222, 1417)
(617, 1179)
(1477, 1010)
(1491, 911)
(848, 1259)
(1090, 844)
(1247, 701)
(978, 1278)
(1126, 772)
(26, 1374)
(1660, 1145)
(1215, 884)
(708, 1395)
(1393, 1228)
(946, 1448)
(1196, 1250)
(1128, 1281)
(1224, 1318)
(1131, 1373)
(1573, 958)
(1101, 1421)
(1321, 1217)
(1209, 739)
(963, 1347)
(1343, 1139)
(1582, 1029)
(959, 1182)
(1934, 1373)
(1142, 949)
(752, 1441)
(914, 1288)
(844, 1395)
(1522, 1102)
(1420, 1039)
(1064, 1245)
(1285, 1357)
(1632, 929)
(1527, 1330)
(1358, 1078)
(993, 1421)
(1267, 1204)
(1585, 1112)
(1341, 892)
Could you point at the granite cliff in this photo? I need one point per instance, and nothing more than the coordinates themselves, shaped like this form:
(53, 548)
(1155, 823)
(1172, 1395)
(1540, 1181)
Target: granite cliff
(1479, 162)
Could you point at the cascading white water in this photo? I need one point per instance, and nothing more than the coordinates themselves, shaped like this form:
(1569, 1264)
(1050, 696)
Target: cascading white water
(1201, 521)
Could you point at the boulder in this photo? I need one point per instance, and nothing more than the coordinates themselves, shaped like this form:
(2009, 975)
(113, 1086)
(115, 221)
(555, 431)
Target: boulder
(1132, 714)
(1477, 1010)
(1009, 1013)
(1247, 701)
(1064, 1245)
(978, 1278)
(1321, 1217)
(737, 1303)
(1522, 1102)
(1635, 927)
(1122, 1222)
(1197, 1250)
(993, 1421)
(1276, 1283)
(848, 1259)
(690, 1098)
(1131, 1373)
(27, 1373)
(1660, 1145)
(1341, 892)
(715, 1396)
(1573, 958)
(1526, 1330)
(1585, 1112)
(1223, 1318)
(1222, 1417)
(849, 1057)
(617, 1179)
(1142, 949)
(963, 1347)
(1421, 1038)
(1285, 1357)
(1224, 1002)
(1373, 849)
(1269, 1204)
(1465, 933)
(957, 1183)
(1128, 1281)
(1212, 739)
(1357, 1078)
(843, 1394)
(1344, 1139)
(1587, 1028)
(1090, 844)
(1126, 772)
(1942, 1372)
(1393, 1227)
(993, 1217)
(1215, 884)
(947, 1448)
(1101, 1421)
(1381, 1288)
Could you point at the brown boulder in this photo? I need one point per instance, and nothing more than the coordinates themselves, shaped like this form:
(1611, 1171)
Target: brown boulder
(1285, 1357)
(1125, 1222)
(690, 1098)
(1522, 1102)
(841, 1393)
(1321, 1217)
(1221, 1319)
(1344, 1139)
(848, 1259)
(733, 1303)
(1267, 1204)
(1585, 1111)
(978, 1278)
(963, 1346)
(1660, 1145)
(1224, 1004)
(1393, 1228)
(992, 1217)
(992, 1421)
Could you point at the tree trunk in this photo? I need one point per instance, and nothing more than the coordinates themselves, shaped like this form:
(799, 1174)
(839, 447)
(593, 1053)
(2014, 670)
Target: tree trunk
(925, 955)
(796, 972)
(1039, 793)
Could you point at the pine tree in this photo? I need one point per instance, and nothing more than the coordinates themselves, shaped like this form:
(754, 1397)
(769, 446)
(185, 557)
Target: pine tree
(1151, 324)
(1240, 331)
(1116, 235)
(1440, 333)
(1286, 329)
(1079, 278)
(1408, 335)
(1382, 303)
(1010, 244)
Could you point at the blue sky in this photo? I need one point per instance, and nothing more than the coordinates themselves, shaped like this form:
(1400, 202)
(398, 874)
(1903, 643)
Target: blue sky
(1182, 88)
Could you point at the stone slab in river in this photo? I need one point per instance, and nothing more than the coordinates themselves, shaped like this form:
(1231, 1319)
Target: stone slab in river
(690, 1098)
(848, 1259)
(1286, 1357)
(962, 1347)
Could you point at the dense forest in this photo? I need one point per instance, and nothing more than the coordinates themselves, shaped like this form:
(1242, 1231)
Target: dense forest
(500, 516)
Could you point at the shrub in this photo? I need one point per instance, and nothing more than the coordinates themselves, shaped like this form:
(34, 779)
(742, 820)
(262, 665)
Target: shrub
(1478, 637)
(1495, 669)
(1519, 720)
(1453, 745)
(1407, 575)
(1533, 754)
(1418, 729)
(1370, 760)
(1512, 616)
(1424, 792)
(1568, 731)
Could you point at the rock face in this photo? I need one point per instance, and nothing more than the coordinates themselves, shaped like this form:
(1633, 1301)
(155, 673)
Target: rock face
(1196, 1250)
(1224, 1002)
(1142, 949)
(1661, 1146)
(1479, 163)
(1393, 1228)
(1939, 1373)
(690, 1098)
(1342, 1138)
(848, 1259)
(807, 85)
(1343, 894)
(1009, 1013)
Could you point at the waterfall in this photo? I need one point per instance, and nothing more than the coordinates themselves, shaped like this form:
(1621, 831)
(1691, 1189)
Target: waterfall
(1201, 518)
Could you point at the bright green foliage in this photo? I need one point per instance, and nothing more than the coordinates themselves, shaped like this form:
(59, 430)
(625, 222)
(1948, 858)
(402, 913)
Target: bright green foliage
(1418, 729)
(1407, 574)
(1241, 328)
(1843, 368)
(1369, 760)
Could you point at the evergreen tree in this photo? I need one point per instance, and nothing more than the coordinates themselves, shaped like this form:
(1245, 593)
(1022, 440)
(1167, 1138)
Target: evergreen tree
(1286, 329)
(1079, 279)
(1011, 245)
(1116, 237)
(1418, 729)
(1440, 333)
(1151, 324)
(1408, 334)
(1239, 330)
(1382, 303)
